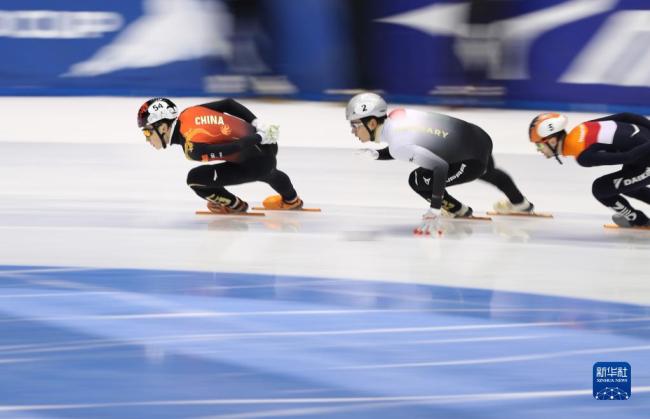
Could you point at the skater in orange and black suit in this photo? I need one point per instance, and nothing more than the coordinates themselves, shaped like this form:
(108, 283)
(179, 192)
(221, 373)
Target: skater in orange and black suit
(621, 139)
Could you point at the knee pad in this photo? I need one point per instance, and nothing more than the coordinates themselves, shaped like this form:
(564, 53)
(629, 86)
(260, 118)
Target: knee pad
(603, 188)
(191, 176)
(197, 175)
(412, 181)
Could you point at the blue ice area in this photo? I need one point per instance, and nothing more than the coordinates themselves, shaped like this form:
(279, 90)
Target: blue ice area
(129, 343)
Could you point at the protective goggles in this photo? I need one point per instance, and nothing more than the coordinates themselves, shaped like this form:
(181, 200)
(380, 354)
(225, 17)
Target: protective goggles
(148, 131)
(356, 124)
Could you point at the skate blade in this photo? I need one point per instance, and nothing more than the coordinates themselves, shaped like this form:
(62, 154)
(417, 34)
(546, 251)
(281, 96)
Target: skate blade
(236, 214)
(522, 214)
(626, 228)
(301, 209)
(471, 217)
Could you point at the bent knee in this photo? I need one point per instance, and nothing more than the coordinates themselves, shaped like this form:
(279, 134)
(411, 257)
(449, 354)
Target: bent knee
(603, 187)
(197, 176)
(413, 182)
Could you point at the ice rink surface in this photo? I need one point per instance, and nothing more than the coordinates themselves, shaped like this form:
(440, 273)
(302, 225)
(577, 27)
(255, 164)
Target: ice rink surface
(117, 301)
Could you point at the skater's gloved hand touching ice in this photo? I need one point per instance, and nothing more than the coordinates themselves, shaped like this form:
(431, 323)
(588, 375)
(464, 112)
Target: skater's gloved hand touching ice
(431, 223)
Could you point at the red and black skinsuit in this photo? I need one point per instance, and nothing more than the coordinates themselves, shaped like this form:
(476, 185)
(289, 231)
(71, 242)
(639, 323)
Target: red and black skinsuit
(222, 130)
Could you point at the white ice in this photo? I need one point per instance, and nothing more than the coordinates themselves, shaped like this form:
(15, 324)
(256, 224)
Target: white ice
(80, 187)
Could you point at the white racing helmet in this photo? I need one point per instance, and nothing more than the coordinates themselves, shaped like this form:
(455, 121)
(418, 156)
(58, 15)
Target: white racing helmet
(156, 109)
(364, 105)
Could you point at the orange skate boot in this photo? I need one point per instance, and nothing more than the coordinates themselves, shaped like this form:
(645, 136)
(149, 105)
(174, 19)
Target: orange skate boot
(275, 202)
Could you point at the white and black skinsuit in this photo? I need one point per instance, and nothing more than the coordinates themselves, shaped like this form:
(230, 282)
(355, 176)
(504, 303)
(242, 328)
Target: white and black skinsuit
(448, 151)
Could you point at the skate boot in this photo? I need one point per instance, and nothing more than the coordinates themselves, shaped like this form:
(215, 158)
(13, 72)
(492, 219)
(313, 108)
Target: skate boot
(275, 202)
(622, 221)
(236, 207)
(464, 211)
(507, 207)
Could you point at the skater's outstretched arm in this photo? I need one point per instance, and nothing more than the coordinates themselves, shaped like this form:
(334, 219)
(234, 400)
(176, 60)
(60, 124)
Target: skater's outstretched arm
(426, 159)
